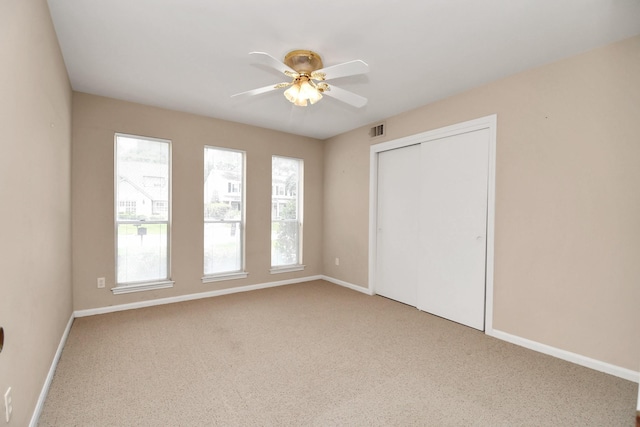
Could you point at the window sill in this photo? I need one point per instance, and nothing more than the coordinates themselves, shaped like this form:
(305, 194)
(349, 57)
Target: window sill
(287, 269)
(140, 287)
(224, 276)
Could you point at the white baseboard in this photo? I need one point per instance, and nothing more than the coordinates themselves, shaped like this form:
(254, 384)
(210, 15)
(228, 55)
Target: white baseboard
(348, 285)
(52, 370)
(578, 359)
(190, 297)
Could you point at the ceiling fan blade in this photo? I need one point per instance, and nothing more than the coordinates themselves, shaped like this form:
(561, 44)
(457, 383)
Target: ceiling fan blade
(258, 91)
(272, 62)
(346, 97)
(345, 69)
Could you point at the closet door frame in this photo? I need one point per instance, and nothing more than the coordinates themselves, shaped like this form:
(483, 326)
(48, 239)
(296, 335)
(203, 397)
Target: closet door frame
(487, 122)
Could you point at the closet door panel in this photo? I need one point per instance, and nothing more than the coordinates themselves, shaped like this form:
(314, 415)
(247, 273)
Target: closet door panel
(453, 227)
(398, 206)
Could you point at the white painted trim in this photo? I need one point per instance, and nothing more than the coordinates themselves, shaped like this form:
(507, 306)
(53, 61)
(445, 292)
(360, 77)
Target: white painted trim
(357, 288)
(487, 122)
(373, 218)
(52, 369)
(578, 359)
(224, 276)
(452, 130)
(491, 219)
(141, 287)
(190, 297)
(287, 269)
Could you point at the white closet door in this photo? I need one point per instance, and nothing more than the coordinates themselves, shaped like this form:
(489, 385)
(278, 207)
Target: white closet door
(398, 224)
(453, 206)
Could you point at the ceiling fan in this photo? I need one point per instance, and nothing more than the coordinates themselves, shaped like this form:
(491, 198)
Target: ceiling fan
(308, 83)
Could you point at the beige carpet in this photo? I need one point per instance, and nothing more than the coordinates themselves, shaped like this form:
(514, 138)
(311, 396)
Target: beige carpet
(315, 354)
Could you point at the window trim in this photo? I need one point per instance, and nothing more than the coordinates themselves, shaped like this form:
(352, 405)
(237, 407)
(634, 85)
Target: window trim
(241, 273)
(142, 286)
(287, 268)
(146, 285)
(224, 276)
(299, 266)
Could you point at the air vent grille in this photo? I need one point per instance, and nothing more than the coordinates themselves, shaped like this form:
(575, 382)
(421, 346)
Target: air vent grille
(377, 131)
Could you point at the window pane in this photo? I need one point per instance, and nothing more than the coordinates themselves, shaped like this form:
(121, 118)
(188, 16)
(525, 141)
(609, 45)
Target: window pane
(143, 179)
(284, 243)
(142, 252)
(285, 176)
(222, 247)
(223, 201)
(222, 184)
(285, 211)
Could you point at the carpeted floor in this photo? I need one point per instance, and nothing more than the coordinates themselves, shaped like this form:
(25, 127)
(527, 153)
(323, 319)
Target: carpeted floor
(315, 354)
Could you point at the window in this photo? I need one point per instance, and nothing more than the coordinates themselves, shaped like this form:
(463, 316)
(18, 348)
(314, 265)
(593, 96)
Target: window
(233, 187)
(223, 214)
(142, 213)
(127, 207)
(286, 214)
(160, 207)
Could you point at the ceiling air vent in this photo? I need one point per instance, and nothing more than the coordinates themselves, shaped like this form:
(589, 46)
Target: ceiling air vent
(377, 131)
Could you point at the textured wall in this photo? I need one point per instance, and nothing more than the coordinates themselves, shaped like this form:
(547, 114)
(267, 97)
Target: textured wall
(567, 200)
(35, 191)
(96, 119)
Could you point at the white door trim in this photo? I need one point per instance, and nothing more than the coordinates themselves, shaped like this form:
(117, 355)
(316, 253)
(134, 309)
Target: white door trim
(488, 122)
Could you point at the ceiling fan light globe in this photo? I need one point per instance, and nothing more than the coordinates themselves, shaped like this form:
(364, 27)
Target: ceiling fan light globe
(302, 92)
(313, 101)
(316, 96)
(292, 93)
(305, 89)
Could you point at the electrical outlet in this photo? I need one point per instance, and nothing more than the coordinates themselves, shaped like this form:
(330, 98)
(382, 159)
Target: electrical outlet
(8, 407)
(101, 282)
(337, 261)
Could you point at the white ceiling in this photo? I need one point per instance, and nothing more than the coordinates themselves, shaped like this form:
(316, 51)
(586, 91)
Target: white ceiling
(192, 55)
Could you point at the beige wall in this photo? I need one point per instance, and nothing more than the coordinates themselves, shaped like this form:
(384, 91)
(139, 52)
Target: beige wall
(35, 249)
(567, 202)
(96, 119)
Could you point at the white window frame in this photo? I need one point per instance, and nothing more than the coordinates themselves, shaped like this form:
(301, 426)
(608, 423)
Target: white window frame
(162, 283)
(299, 266)
(241, 273)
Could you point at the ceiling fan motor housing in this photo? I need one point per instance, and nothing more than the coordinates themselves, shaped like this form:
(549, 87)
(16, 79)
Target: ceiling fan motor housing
(303, 61)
